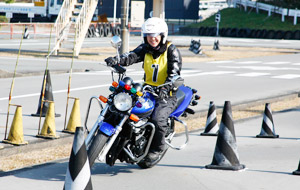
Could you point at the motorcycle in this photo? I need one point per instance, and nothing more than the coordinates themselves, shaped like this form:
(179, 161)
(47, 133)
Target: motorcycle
(123, 130)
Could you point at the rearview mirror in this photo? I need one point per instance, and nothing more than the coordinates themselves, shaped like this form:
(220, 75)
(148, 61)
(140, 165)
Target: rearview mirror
(177, 81)
(116, 42)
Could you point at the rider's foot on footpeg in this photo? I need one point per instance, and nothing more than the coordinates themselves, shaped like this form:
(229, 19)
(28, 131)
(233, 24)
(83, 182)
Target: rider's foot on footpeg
(153, 156)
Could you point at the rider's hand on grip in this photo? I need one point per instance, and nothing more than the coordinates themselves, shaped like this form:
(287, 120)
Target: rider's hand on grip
(111, 61)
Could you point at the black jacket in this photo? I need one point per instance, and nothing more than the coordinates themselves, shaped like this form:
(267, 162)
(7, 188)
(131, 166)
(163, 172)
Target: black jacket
(138, 55)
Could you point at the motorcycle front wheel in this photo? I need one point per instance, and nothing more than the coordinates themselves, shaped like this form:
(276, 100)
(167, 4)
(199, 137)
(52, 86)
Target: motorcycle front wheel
(96, 146)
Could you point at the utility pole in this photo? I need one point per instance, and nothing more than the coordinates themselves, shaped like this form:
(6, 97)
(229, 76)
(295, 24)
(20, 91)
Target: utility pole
(159, 8)
(124, 26)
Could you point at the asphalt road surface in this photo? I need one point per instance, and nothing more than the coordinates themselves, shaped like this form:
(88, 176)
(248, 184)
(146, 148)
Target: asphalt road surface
(239, 80)
(269, 164)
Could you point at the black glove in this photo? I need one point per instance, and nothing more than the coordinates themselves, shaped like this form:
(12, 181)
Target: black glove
(111, 61)
(163, 93)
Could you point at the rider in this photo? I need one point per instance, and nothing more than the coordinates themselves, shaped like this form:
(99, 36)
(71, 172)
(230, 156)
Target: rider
(162, 61)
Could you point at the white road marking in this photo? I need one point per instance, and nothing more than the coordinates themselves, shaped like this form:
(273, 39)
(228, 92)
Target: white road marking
(220, 62)
(287, 76)
(56, 91)
(276, 63)
(249, 62)
(252, 74)
(262, 68)
(208, 73)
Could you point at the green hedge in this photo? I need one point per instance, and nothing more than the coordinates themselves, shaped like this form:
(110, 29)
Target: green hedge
(236, 18)
(291, 4)
(3, 19)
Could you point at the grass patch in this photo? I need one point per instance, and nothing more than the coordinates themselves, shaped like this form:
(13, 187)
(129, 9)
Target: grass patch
(236, 18)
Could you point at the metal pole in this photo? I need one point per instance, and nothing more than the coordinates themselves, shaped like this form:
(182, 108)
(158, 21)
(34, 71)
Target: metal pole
(159, 8)
(217, 28)
(115, 12)
(44, 83)
(70, 78)
(124, 27)
(13, 84)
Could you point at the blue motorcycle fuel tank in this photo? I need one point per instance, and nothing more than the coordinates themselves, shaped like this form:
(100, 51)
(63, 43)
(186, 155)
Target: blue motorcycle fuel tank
(186, 95)
(144, 107)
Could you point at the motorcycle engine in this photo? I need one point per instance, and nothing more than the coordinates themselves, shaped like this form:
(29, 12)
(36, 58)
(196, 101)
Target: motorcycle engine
(140, 146)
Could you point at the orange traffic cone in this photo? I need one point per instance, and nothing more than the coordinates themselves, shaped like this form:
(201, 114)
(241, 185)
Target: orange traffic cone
(15, 135)
(74, 119)
(48, 131)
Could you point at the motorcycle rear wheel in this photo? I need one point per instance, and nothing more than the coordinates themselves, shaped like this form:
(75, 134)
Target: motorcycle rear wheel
(97, 145)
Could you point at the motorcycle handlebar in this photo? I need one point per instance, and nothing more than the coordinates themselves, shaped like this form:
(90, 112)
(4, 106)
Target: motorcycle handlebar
(118, 68)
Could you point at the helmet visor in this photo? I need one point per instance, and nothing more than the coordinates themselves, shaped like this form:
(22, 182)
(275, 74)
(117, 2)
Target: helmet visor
(151, 34)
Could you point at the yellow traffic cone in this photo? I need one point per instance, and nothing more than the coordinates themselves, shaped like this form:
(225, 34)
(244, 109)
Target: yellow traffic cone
(48, 130)
(16, 136)
(74, 119)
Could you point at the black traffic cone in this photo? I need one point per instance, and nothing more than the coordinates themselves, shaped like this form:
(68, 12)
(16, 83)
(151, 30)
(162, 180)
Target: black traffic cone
(226, 154)
(48, 96)
(216, 45)
(26, 33)
(211, 128)
(297, 172)
(78, 174)
(267, 129)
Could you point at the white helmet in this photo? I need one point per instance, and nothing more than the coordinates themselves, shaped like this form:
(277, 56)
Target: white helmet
(155, 26)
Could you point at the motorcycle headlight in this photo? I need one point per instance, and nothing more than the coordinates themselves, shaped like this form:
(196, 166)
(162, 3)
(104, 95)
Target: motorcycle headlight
(123, 101)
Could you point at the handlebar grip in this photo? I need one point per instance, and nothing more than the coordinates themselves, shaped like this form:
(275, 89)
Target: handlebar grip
(119, 68)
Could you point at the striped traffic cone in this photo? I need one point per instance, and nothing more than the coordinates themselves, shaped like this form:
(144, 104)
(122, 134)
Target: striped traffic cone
(78, 173)
(297, 172)
(226, 154)
(211, 128)
(267, 129)
(48, 96)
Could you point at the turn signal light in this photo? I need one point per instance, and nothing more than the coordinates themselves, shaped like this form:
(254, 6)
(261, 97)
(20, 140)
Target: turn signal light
(127, 87)
(197, 97)
(103, 99)
(122, 83)
(134, 118)
(139, 93)
(133, 90)
(115, 84)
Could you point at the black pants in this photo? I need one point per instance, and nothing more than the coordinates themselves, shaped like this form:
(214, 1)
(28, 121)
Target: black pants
(160, 116)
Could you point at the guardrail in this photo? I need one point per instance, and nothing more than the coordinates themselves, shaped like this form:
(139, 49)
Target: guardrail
(42, 30)
(269, 8)
(15, 30)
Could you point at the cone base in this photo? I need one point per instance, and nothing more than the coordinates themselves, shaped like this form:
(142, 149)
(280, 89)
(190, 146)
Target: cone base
(297, 172)
(68, 131)
(47, 137)
(218, 167)
(14, 143)
(44, 115)
(209, 134)
(267, 136)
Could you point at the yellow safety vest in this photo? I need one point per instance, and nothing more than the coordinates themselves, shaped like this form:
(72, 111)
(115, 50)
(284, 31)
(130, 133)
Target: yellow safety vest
(156, 69)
